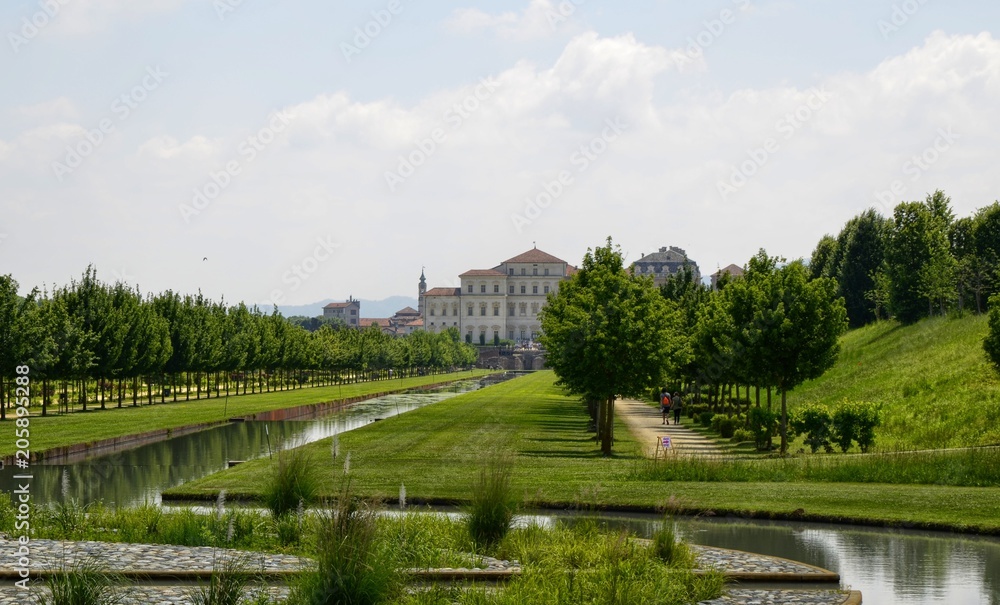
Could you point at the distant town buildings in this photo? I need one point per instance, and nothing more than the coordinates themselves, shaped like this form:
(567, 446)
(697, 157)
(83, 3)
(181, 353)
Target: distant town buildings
(498, 303)
(349, 312)
(731, 270)
(666, 262)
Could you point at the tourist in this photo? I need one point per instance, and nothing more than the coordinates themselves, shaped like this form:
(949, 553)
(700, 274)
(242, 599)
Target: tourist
(676, 406)
(665, 405)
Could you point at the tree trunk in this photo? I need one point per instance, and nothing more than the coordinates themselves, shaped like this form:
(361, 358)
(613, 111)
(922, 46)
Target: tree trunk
(3, 398)
(609, 423)
(784, 422)
(757, 393)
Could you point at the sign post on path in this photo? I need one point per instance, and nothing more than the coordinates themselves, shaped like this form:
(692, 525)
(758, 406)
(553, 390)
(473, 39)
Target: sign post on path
(662, 442)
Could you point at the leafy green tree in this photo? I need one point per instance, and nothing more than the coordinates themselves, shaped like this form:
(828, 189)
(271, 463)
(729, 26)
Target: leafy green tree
(18, 325)
(918, 261)
(608, 333)
(801, 322)
(862, 244)
(992, 343)
(824, 261)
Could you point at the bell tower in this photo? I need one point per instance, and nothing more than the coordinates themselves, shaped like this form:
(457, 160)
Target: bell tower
(421, 290)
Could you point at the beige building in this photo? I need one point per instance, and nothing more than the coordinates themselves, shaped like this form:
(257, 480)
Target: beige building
(498, 303)
(349, 312)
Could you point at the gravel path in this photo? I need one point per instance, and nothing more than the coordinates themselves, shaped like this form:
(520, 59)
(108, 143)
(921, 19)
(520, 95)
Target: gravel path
(646, 424)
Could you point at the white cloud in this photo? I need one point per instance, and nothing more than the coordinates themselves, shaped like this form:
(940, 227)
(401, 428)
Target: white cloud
(654, 185)
(540, 19)
(84, 17)
(56, 109)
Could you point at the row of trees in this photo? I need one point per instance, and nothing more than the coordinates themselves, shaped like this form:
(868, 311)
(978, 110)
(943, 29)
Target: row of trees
(106, 340)
(609, 333)
(922, 261)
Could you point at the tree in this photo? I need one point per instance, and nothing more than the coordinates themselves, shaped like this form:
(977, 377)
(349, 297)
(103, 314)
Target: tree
(801, 321)
(992, 343)
(824, 261)
(862, 244)
(608, 333)
(919, 264)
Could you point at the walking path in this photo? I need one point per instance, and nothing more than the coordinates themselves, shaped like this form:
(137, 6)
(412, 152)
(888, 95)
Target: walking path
(157, 565)
(646, 424)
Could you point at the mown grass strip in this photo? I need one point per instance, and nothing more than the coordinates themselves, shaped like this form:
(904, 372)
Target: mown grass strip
(87, 427)
(435, 452)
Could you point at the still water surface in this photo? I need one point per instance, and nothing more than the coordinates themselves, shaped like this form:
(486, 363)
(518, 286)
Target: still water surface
(889, 567)
(141, 474)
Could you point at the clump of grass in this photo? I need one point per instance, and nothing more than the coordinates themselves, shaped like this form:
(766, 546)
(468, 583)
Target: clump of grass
(352, 565)
(667, 548)
(228, 583)
(490, 514)
(85, 583)
(294, 478)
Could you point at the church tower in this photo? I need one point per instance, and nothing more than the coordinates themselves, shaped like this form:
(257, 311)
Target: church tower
(421, 290)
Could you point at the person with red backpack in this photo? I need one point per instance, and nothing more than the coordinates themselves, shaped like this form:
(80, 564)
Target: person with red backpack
(665, 406)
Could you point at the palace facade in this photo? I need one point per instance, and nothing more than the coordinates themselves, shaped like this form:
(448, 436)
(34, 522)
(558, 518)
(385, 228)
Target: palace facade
(498, 303)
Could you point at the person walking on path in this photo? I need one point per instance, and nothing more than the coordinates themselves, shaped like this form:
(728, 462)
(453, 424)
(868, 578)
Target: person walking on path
(676, 405)
(665, 403)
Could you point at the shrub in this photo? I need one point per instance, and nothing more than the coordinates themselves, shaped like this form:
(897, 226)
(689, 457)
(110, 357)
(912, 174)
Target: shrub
(813, 422)
(727, 426)
(491, 512)
(742, 435)
(695, 411)
(705, 418)
(856, 421)
(293, 479)
(763, 425)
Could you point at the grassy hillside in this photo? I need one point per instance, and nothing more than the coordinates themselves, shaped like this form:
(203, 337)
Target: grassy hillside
(932, 378)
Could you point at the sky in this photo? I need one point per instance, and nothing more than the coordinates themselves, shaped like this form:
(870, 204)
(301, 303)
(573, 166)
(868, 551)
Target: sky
(284, 153)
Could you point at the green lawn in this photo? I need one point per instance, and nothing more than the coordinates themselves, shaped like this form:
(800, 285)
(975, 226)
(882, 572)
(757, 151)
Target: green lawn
(95, 425)
(933, 379)
(437, 450)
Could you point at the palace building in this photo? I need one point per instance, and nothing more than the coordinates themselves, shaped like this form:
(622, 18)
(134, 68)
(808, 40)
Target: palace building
(498, 303)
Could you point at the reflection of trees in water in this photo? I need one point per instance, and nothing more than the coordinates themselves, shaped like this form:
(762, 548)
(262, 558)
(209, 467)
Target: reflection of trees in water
(136, 475)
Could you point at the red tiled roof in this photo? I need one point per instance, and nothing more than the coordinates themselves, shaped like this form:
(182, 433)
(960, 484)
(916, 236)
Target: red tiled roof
(382, 322)
(570, 270)
(534, 256)
(483, 273)
(407, 311)
(340, 305)
(416, 323)
(443, 292)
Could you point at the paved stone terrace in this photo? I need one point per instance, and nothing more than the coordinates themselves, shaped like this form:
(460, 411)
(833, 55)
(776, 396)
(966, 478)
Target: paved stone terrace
(744, 596)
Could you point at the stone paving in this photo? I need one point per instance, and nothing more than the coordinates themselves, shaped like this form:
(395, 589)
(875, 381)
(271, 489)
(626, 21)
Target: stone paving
(745, 596)
(736, 563)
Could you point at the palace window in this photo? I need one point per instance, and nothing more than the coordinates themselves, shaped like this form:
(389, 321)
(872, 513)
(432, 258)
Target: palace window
(470, 288)
(496, 288)
(510, 311)
(496, 310)
(523, 289)
(546, 271)
(534, 271)
(546, 289)
(470, 309)
(524, 308)
(482, 308)
(511, 289)
(534, 289)
(482, 289)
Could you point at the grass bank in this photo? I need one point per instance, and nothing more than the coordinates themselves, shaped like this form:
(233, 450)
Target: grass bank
(932, 379)
(436, 450)
(88, 427)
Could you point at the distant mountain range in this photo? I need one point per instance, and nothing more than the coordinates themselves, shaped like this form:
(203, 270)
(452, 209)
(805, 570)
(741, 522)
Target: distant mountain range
(386, 307)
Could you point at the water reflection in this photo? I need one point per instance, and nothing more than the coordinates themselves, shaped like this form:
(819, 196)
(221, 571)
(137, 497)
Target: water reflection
(141, 474)
(890, 567)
